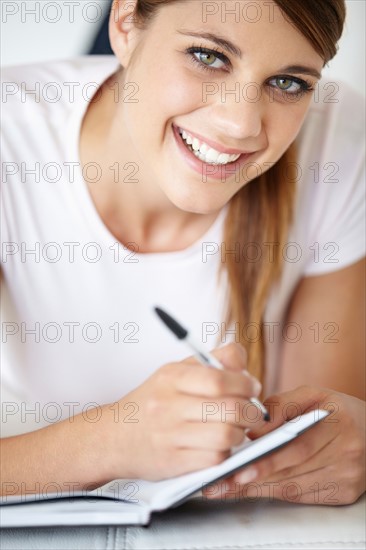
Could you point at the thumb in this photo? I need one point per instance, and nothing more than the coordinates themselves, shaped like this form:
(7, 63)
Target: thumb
(285, 406)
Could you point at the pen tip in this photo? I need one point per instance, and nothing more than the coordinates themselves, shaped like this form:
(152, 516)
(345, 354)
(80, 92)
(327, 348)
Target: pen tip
(171, 323)
(266, 417)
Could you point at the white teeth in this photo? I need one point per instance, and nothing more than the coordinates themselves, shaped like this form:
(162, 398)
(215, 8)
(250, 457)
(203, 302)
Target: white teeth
(212, 155)
(206, 153)
(223, 158)
(196, 144)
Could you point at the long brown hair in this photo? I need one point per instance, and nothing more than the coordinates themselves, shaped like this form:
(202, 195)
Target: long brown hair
(262, 211)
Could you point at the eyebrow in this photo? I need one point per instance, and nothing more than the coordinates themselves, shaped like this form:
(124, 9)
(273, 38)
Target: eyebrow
(301, 69)
(235, 50)
(219, 40)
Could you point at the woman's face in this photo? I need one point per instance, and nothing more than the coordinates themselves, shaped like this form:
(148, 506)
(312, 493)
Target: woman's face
(235, 77)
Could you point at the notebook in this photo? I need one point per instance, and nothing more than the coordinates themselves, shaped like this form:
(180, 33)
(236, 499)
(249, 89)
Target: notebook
(133, 501)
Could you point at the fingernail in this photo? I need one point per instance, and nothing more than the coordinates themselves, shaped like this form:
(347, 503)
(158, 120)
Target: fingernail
(246, 476)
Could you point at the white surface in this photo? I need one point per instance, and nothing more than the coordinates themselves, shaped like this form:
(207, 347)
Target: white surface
(209, 525)
(26, 40)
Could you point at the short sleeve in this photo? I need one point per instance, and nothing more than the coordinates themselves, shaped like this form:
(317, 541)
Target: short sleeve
(331, 204)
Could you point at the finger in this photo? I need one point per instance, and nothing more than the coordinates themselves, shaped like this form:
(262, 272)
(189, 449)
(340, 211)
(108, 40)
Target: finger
(232, 356)
(317, 487)
(327, 456)
(228, 486)
(207, 381)
(298, 452)
(312, 488)
(167, 409)
(224, 410)
(325, 482)
(211, 436)
(286, 406)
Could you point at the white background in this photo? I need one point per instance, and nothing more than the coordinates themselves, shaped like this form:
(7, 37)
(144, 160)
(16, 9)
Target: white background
(76, 22)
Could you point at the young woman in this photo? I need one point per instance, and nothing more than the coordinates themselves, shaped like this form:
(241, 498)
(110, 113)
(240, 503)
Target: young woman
(205, 169)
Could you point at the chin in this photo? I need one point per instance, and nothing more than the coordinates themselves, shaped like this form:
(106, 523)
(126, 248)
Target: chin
(198, 204)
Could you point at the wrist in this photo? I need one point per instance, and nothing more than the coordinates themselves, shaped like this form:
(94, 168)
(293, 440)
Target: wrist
(108, 441)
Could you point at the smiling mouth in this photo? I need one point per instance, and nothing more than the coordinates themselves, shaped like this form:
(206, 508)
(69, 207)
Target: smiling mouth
(204, 152)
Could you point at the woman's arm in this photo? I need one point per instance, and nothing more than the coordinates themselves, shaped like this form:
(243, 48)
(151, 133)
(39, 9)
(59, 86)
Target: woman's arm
(66, 456)
(176, 427)
(330, 309)
(325, 465)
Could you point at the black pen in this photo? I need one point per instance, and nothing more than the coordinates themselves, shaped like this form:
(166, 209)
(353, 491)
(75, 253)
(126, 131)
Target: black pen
(203, 356)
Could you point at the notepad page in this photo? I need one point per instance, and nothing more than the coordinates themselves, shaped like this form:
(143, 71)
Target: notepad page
(78, 511)
(134, 491)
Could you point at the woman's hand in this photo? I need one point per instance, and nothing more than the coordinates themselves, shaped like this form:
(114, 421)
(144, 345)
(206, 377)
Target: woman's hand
(325, 465)
(185, 417)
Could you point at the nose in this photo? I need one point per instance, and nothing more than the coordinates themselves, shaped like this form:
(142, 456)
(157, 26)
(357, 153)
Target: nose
(238, 112)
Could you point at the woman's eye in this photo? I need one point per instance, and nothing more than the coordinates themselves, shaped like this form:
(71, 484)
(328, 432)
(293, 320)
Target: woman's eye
(288, 85)
(209, 59)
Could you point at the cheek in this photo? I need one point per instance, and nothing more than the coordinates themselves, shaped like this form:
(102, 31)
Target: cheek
(165, 90)
(179, 92)
(283, 124)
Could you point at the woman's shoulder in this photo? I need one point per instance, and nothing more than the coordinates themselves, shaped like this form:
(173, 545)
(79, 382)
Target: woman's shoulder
(57, 70)
(331, 163)
(53, 85)
(335, 121)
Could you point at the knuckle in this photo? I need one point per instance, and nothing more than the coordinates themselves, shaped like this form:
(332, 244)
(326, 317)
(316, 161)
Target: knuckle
(216, 382)
(286, 472)
(303, 387)
(303, 450)
(163, 373)
(354, 473)
(356, 451)
(154, 406)
(315, 393)
(170, 373)
(235, 353)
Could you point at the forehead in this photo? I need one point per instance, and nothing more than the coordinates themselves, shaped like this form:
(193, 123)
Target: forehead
(258, 28)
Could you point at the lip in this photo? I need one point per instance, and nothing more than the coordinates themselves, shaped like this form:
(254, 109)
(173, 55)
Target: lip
(215, 145)
(210, 171)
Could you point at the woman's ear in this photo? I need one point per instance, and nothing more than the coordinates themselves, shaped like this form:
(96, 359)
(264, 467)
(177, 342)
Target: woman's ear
(122, 29)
